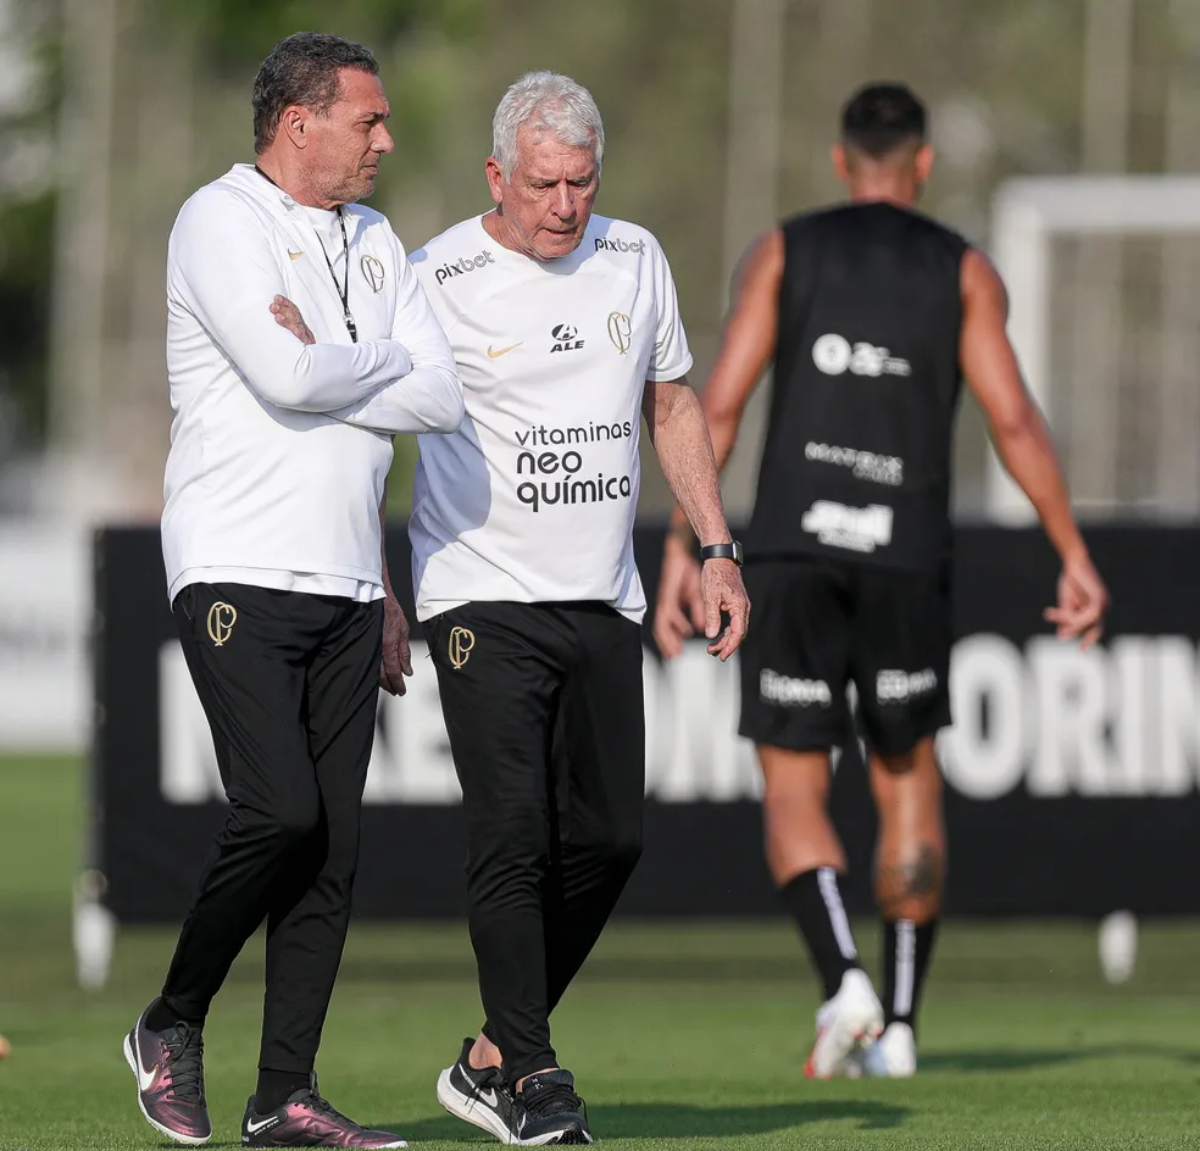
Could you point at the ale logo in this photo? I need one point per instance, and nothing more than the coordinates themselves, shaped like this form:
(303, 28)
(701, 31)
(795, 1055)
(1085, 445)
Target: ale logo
(566, 338)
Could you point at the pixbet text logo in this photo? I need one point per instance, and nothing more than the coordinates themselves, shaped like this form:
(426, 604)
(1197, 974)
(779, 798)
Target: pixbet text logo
(834, 354)
(465, 264)
(638, 247)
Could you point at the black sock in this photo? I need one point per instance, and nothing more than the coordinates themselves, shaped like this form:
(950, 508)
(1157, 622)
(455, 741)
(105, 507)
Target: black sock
(162, 1016)
(274, 1087)
(815, 902)
(907, 947)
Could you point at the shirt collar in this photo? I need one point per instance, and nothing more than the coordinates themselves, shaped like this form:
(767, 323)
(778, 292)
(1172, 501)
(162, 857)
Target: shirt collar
(266, 186)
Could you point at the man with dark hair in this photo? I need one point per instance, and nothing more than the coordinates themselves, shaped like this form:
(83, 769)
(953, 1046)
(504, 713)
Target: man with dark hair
(280, 447)
(883, 120)
(303, 70)
(871, 313)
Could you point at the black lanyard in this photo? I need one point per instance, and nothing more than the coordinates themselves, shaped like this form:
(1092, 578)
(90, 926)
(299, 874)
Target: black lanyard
(342, 289)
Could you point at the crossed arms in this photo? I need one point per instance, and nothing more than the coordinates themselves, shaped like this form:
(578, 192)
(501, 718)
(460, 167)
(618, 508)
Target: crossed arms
(405, 383)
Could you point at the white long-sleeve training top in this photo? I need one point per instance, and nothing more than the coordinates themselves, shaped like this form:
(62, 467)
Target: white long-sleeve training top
(280, 450)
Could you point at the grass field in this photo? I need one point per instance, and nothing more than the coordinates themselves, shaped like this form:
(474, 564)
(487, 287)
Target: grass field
(687, 1036)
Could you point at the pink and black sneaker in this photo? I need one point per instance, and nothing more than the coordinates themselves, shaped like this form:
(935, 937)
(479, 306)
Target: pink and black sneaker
(307, 1120)
(169, 1067)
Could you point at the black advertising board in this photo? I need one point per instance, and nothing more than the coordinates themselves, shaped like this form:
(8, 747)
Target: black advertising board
(1071, 777)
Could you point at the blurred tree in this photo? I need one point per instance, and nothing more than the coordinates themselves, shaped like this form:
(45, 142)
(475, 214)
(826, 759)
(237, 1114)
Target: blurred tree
(1003, 79)
(227, 40)
(29, 65)
(233, 34)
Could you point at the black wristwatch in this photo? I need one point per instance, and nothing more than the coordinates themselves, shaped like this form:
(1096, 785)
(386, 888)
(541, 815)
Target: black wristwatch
(729, 551)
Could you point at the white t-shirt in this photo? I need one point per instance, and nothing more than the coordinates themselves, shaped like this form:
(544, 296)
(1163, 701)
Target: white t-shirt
(279, 451)
(533, 499)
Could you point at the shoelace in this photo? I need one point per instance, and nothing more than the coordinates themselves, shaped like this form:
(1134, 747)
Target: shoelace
(320, 1103)
(185, 1048)
(489, 1080)
(553, 1099)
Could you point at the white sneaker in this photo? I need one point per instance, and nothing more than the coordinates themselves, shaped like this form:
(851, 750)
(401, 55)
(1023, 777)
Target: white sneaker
(893, 1056)
(853, 1017)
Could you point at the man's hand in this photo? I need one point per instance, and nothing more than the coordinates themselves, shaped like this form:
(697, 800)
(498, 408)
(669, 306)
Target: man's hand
(679, 613)
(1082, 602)
(397, 659)
(287, 315)
(722, 589)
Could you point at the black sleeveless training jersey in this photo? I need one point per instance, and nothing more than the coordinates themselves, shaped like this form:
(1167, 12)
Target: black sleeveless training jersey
(856, 466)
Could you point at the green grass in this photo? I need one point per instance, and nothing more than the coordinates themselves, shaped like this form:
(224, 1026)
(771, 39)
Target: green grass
(688, 1036)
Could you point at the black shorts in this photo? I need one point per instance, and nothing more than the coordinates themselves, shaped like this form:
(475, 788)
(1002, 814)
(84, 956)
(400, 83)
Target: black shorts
(819, 627)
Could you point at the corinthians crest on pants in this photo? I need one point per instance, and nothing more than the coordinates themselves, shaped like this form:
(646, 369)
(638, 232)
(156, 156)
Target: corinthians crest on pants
(462, 640)
(221, 618)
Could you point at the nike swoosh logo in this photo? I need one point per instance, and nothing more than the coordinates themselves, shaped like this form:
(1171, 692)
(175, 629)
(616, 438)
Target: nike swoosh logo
(496, 353)
(145, 1078)
(255, 1128)
(295, 255)
(488, 1096)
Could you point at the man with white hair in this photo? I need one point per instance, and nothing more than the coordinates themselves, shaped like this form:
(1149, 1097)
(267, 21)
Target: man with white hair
(565, 328)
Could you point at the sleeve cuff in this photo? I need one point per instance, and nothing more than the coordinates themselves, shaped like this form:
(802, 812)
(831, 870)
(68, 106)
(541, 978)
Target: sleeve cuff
(662, 375)
(403, 360)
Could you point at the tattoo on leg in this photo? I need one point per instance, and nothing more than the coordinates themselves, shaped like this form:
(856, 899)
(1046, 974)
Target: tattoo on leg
(923, 876)
(917, 878)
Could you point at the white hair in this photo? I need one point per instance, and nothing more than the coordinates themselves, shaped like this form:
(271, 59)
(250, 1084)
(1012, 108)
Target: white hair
(551, 101)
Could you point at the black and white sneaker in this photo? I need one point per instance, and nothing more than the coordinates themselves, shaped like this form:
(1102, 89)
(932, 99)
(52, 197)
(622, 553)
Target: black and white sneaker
(547, 1111)
(479, 1097)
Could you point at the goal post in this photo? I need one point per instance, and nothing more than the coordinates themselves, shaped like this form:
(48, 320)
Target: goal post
(1155, 312)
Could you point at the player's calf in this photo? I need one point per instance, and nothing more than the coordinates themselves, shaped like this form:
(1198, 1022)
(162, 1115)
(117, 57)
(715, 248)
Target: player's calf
(909, 876)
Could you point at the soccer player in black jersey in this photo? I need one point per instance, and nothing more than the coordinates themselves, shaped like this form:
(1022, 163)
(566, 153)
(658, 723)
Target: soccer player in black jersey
(871, 314)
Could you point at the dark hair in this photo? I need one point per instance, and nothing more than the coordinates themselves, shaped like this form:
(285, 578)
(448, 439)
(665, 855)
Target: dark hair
(303, 69)
(880, 118)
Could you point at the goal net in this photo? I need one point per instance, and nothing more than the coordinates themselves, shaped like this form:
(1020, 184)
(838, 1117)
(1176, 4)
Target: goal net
(1103, 275)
